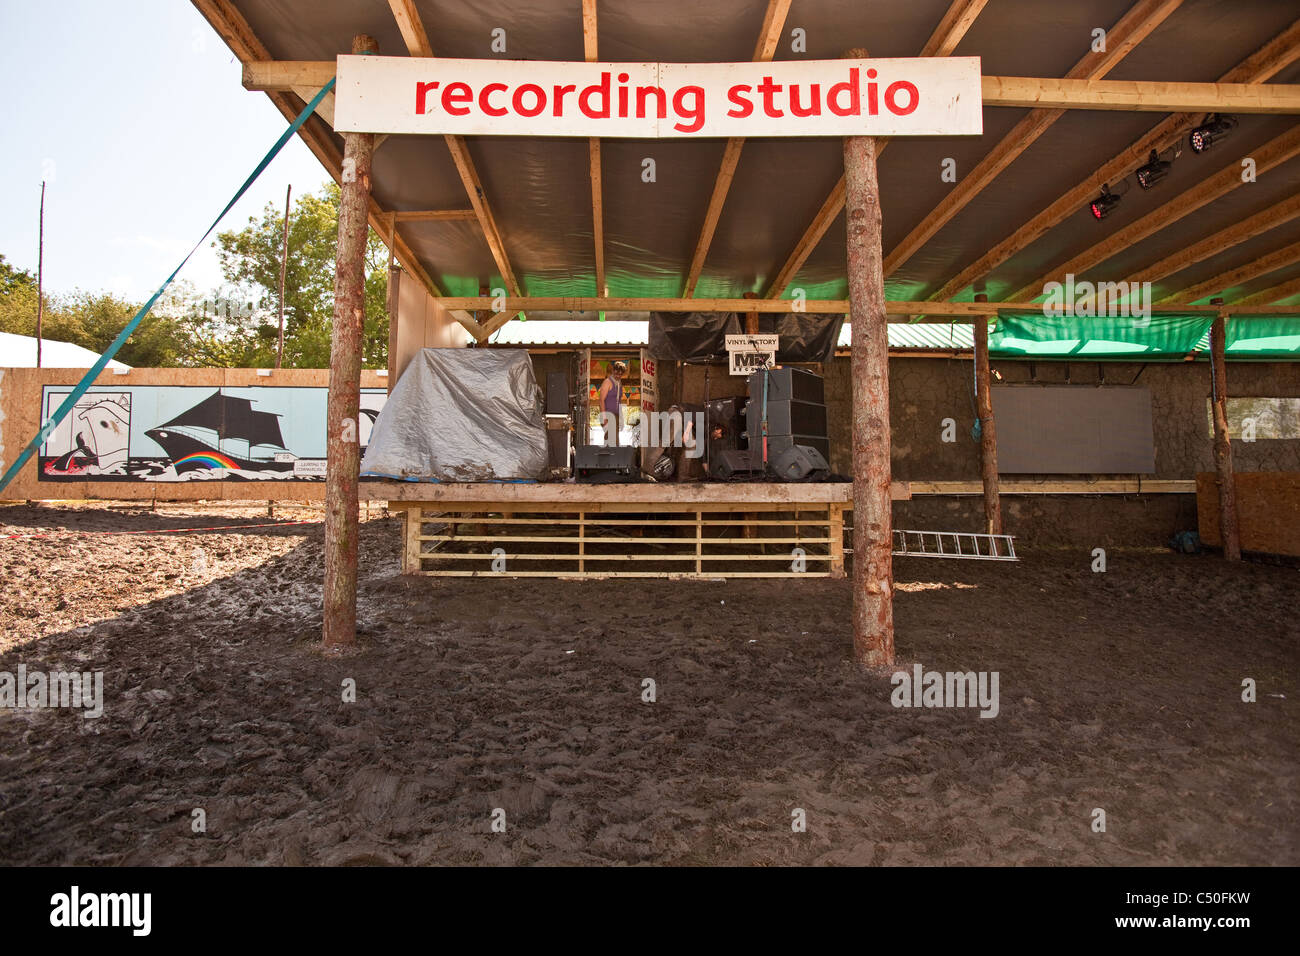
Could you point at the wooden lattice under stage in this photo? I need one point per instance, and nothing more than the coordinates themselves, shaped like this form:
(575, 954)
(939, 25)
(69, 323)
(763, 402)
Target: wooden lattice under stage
(636, 531)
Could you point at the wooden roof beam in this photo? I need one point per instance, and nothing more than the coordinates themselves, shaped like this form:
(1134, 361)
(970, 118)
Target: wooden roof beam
(902, 311)
(945, 38)
(773, 27)
(590, 54)
(417, 43)
(1271, 154)
(1141, 95)
(1135, 26)
(1278, 259)
(1264, 63)
(1276, 294)
(234, 30)
(1233, 235)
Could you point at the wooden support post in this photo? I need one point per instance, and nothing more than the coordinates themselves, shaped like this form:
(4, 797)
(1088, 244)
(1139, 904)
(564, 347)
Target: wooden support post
(1222, 444)
(414, 528)
(835, 526)
(343, 451)
(873, 567)
(751, 318)
(988, 432)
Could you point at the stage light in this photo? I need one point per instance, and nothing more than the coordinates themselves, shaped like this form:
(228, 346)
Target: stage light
(1103, 204)
(1155, 170)
(1214, 129)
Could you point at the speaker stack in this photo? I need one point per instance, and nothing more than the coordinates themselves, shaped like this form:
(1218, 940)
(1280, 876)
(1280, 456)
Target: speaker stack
(794, 404)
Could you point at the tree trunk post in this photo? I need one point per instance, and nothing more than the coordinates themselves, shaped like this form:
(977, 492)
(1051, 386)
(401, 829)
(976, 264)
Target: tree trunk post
(1222, 443)
(988, 431)
(343, 449)
(873, 568)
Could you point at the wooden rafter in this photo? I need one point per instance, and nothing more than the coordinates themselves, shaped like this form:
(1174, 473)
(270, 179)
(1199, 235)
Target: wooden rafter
(1141, 95)
(1264, 63)
(1276, 294)
(435, 215)
(1278, 259)
(773, 26)
(1228, 178)
(234, 30)
(1233, 235)
(945, 38)
(902, 311)
(590, 54)
(417, 43)
(1138, 23)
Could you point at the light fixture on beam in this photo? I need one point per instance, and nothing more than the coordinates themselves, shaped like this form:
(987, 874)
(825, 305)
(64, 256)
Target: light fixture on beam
(1209, 133)
(1101, 206)
(1154, 170)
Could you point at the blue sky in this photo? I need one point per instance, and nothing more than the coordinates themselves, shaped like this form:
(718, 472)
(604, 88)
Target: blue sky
(133, 112)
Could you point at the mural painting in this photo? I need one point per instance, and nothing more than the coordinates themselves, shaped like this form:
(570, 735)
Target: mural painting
(193, 433)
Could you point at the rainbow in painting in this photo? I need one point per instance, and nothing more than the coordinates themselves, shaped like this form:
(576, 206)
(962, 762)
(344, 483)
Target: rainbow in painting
(208, 459)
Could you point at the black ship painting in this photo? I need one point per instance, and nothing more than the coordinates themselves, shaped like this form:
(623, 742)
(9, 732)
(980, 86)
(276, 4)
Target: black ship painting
(162, 433)
(223, 432)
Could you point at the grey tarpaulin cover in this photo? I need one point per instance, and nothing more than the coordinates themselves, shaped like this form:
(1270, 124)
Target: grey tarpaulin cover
(461, 415)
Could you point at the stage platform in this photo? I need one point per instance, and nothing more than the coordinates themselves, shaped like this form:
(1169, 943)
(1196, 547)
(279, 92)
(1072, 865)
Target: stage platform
(569, 530)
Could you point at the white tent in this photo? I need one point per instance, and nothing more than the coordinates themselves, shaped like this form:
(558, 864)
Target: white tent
(19, 351)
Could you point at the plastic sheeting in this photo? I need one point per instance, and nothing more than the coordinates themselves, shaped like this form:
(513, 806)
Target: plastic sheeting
(803, 337)
(700, 336)
(1159, 337)
(461, 415)
(691, 336)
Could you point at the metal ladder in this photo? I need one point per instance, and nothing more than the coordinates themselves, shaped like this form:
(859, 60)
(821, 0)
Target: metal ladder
(967, 545)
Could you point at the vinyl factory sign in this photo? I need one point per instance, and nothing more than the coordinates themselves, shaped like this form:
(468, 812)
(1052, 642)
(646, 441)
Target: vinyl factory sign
(931, 96)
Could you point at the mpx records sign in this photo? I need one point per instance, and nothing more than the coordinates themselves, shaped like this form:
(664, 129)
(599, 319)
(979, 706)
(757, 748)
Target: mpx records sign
(748, 353)
(929, 96)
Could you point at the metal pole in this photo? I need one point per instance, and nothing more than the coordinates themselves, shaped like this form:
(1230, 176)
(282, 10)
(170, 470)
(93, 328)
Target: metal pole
(342, 448)
(40, 279)
(284, 268)
(1222, 444)
(988, 432)
(873, 569)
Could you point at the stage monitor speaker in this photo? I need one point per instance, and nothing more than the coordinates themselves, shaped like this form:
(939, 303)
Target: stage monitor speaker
(733, 463)
(800, 463)
(557, 393)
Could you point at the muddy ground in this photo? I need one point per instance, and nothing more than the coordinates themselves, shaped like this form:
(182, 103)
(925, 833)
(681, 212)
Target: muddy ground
(1118, 690)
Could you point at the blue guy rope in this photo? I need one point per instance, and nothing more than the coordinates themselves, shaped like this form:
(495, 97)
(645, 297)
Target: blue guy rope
(102, 362)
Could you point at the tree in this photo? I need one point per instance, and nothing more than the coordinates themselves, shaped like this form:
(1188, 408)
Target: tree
(13, 280)
(250, 258)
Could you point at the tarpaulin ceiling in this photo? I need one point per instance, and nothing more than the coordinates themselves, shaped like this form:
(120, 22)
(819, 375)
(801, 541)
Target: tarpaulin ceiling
(540, 191)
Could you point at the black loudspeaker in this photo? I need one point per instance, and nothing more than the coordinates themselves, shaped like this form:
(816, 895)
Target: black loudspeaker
(788, 385)
(596, 463)
(733, 463)
(788, 418)
(557, 393)
(724, 424)
(779, 443)
(800, 463)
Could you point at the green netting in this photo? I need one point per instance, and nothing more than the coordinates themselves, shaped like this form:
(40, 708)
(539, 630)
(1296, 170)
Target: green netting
(1263, 337)
(1034, 335)
(1159, 338)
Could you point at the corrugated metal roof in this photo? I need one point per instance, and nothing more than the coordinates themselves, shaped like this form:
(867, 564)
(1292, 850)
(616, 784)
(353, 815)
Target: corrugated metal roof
(581, 332)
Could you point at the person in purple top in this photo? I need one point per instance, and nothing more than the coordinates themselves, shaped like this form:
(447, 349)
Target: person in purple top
(610, 396)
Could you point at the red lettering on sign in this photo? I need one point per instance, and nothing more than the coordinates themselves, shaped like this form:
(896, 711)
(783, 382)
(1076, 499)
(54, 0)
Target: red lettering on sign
(421, 92)
(453, 94)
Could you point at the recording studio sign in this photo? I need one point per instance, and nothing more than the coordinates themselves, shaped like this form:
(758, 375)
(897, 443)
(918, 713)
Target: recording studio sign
(748, 353)
(930, 96)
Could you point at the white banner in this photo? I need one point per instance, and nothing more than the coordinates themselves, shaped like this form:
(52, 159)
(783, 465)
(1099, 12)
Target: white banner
(926, 96)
